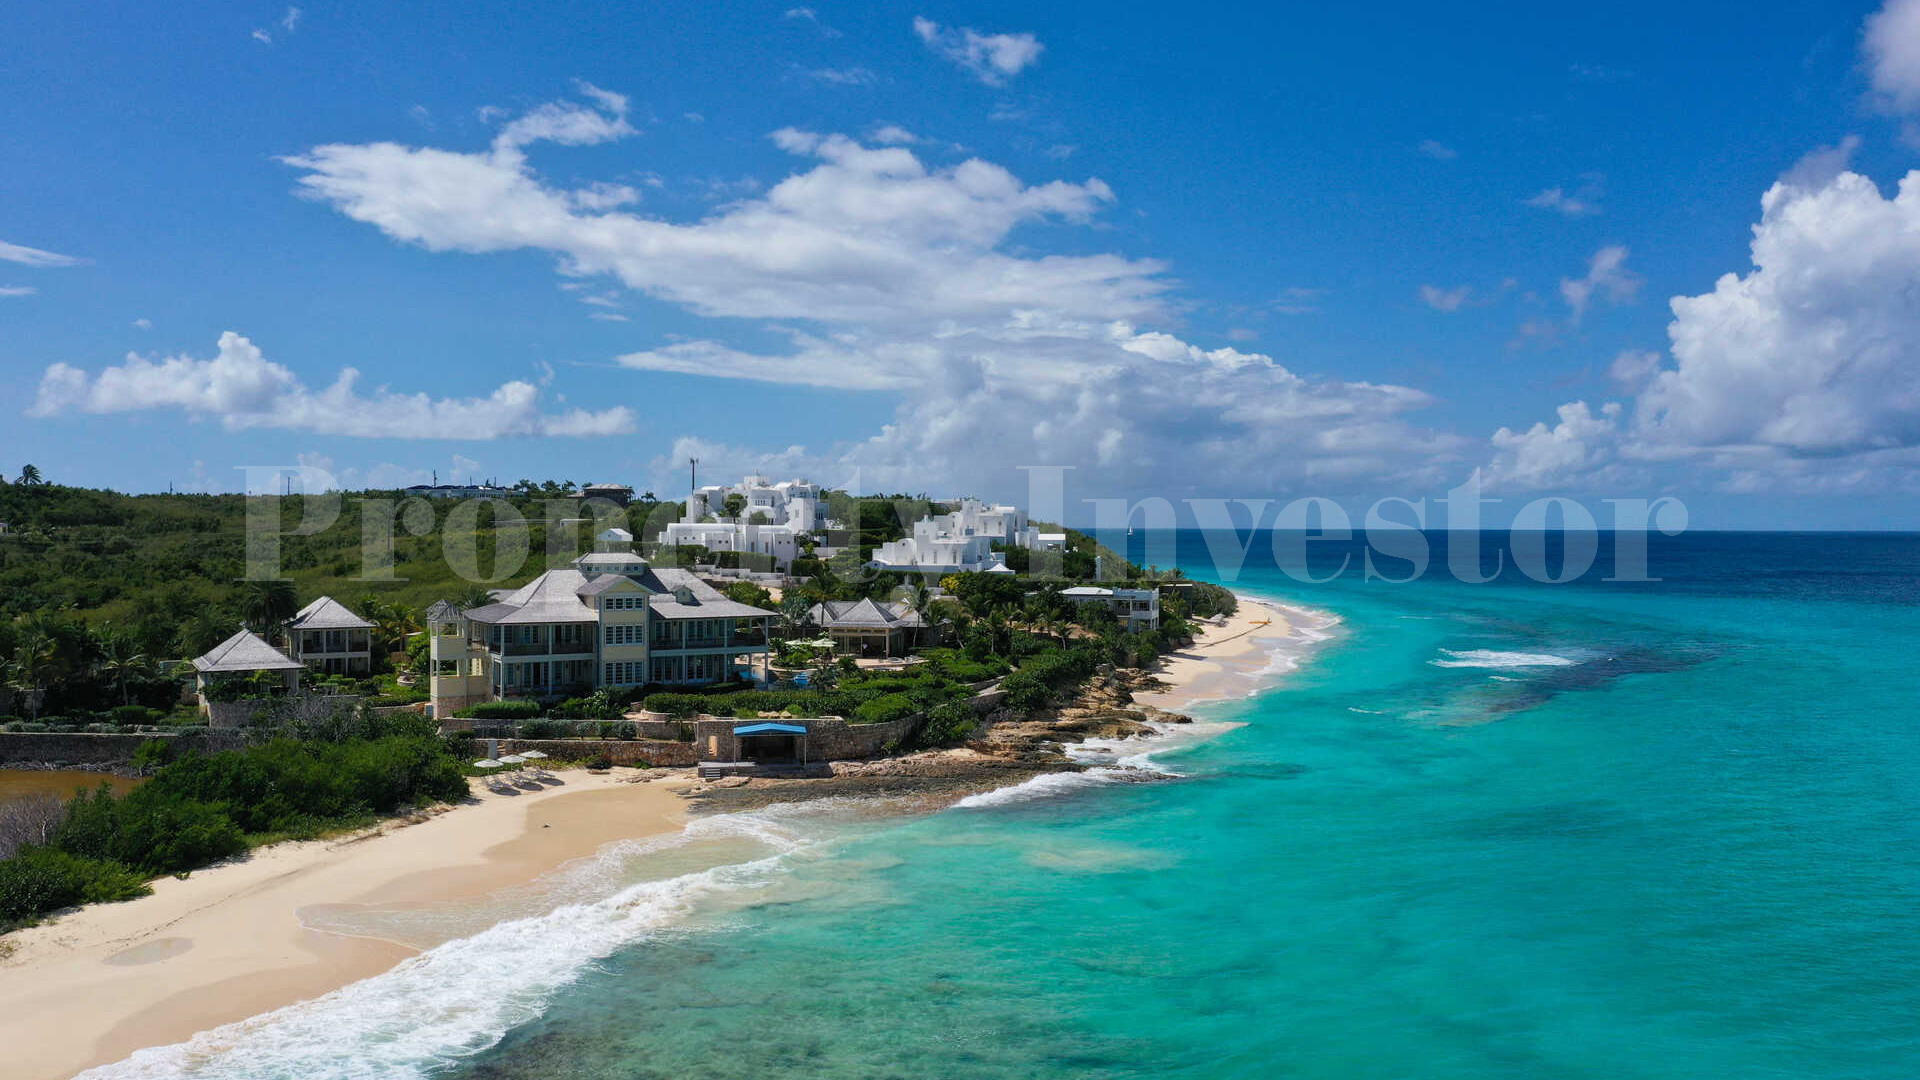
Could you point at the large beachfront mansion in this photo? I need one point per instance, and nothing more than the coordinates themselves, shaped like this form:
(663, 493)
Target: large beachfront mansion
(608, 620)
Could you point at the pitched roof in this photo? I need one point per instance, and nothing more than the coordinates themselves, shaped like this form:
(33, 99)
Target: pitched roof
(598, 561)
(865, 613)
(327, 613)
(608, 582)
(245, 651)
(550, 598)
(443, 611)
(708, 602)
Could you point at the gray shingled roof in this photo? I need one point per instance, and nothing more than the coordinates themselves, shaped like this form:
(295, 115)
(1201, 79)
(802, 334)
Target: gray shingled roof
(443, 611)
(550, 598)
(865, 614)
(327, 613)
(708, 602)
(603, 582)
(245, 651)
(555, 597)
(594, 560)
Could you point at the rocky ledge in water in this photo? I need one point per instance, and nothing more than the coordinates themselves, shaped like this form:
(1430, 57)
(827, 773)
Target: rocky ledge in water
(1011, 749)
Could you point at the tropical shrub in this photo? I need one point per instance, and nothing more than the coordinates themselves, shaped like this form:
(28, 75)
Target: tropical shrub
(500, 710)
(885, 708)
(676, 704)
(947, 724)
(42, 880)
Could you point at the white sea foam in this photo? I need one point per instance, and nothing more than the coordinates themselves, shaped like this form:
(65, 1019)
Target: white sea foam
(1044, 786)
(1123, 760)
(1493, 658)
(460, 997)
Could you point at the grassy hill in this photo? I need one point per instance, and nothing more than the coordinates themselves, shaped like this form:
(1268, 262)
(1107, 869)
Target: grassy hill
(167, 570)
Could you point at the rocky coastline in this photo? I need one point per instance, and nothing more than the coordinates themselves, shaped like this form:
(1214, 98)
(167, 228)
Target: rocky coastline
(1009, 748)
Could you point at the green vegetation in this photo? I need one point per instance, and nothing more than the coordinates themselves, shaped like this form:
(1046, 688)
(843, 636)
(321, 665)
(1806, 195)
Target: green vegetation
(47, 879)
(203, 808)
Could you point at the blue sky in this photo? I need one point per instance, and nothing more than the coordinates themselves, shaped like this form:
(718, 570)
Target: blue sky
(1314, 249)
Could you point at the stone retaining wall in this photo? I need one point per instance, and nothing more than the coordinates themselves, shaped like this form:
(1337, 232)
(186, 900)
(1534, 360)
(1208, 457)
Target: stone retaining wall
(829, 738)
(230, 715)
(658, 752)
(81, 748)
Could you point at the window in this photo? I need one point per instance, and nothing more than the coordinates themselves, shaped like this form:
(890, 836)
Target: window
(616, 634)
(624, 673)
(446, 667)
(623, 603)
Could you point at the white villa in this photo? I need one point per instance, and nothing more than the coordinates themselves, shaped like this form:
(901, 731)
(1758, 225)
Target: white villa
(608, 620)
(771, 523)
(1137, 609)
(331, 639)
(959, 541)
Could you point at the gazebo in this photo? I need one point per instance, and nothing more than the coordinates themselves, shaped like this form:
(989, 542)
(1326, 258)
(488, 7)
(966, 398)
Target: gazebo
(867, 628)
(243, 654)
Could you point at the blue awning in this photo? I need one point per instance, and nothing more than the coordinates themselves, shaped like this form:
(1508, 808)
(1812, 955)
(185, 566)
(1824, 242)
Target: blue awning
(770, 729)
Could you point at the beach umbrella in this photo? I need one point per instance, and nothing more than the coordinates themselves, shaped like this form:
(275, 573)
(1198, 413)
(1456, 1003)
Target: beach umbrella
(488, 763)
(511, 759)
(532, 755)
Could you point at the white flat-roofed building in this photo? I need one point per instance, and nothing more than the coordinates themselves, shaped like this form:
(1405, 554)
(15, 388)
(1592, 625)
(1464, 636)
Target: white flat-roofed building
(772, 518)
(959, 541)
(932, 549)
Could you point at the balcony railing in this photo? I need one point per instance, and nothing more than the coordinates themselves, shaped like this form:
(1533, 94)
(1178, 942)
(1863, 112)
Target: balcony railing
(722, 641)
(543, 648)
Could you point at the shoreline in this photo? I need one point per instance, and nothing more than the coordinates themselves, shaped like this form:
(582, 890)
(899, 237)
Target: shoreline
(228, 942)
(1241, 657)
(234, 941)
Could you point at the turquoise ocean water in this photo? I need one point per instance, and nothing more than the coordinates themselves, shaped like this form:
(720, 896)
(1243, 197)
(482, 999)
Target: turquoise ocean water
(1505, 830)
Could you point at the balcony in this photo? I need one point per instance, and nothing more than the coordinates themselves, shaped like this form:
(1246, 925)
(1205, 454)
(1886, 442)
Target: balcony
(753, 640)
(543, 648)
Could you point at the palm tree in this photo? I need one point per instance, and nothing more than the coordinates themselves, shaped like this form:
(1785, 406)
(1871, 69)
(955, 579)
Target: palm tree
(120, 663)
(477, 596)
(921, 601)
(36, 662)
(796, 614)
(269, 603)
(29, 476)
(394, 624)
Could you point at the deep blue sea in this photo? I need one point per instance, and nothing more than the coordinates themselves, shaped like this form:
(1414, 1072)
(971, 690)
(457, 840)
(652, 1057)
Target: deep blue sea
(1585, 830)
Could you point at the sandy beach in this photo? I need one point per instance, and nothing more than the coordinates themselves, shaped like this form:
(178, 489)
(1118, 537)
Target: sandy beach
(234, 941)
(228, 942)
(1236, 657)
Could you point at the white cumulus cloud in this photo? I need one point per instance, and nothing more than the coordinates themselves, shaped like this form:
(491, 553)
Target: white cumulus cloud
(993, 58)
(1803, 372)
(1545, 456)
(1892, 45)
(880, 272)
(242, 389)
(1607, 276)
